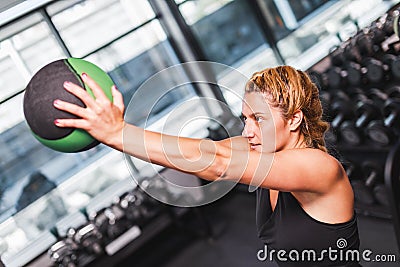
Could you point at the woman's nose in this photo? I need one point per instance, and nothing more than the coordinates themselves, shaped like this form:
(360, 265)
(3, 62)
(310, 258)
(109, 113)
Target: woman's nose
(248, 131)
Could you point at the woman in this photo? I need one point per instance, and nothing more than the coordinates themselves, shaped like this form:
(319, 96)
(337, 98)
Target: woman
(304, 199)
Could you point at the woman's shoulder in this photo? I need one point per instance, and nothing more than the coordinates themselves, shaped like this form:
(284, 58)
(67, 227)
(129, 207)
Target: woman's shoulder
(319, 162)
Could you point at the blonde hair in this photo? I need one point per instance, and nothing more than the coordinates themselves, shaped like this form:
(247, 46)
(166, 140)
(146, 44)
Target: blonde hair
(292, 90)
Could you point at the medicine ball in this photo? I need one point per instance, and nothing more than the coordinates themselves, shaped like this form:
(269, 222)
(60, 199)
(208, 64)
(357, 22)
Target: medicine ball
(45, 87)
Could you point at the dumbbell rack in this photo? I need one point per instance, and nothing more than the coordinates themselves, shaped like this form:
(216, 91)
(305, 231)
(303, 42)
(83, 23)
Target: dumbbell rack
(346, 74)
(105, 250)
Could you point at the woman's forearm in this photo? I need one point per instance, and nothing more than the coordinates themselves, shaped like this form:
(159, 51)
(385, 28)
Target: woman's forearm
(196, 156)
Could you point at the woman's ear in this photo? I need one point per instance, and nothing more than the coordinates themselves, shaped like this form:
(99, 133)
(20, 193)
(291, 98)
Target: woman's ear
(295, 121)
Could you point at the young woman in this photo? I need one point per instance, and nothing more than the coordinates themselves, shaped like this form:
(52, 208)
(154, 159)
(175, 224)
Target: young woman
(305, 212)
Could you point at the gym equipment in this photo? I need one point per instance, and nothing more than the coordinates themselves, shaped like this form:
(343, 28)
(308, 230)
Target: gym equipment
(337, 78)
(356, 74)
(393, 92)
(377, 96)
(352, 131)
(45, 87)
(376, 72)
(88, 239)
(384, 131)
(362, 193)
(64, 253)
(363, 189)
(393, 61)
(341, 110)
(381, 194)
(110, 222)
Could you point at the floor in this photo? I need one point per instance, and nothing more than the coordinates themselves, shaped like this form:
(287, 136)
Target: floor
(235, 242)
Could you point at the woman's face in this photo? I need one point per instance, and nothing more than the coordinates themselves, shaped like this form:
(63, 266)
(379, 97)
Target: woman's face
(265, 128)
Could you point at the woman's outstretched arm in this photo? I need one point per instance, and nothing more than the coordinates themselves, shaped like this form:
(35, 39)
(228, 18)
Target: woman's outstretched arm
(229, 159)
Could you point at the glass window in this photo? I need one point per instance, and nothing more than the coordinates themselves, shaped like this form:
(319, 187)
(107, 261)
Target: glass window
(229, 33)
(323, 26)
(99, 20)
(225, 29)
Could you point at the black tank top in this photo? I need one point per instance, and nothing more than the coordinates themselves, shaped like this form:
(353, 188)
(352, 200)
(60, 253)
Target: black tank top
(291, 229)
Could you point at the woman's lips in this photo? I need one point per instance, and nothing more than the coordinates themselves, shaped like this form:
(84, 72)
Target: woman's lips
(254, 146)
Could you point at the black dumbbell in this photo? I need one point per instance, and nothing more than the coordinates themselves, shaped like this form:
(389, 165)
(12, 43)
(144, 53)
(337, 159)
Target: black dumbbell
(361, 193)
(337, 77)
(378, 96)
(352, 169)
(356, 74)
(366, 44)
(341, 110)
(387, 22)
(385, 131)
(356, 94)
(393, 92)
(363, 189)
(393, 62)
(381, 195)
(376, 71)
(352, 131)
(351, 50)
(378, 33)
(337, 56)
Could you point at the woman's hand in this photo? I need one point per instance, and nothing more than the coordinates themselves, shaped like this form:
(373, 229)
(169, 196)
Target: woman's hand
(101, 118)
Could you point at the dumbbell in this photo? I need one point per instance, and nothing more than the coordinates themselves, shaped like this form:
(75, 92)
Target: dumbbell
(393, 92)
(393, 62)
(356, 74)
(110, 222)
(378, 33)
(376, 70)
(354, 173)
(138, 207)
(387, 22)
(363, 189)
(374, 182)
(64, 253)
(88, 238)
(381, 194)
(351, 131)
(337, 77)
(378, 96)
(341, 109)
(345, 52)
(337, 56)
(366, 44)
(384, 131)
(353, 170)
(356, 94)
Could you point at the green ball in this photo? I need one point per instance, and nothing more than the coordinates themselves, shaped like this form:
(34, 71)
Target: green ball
(45, 87)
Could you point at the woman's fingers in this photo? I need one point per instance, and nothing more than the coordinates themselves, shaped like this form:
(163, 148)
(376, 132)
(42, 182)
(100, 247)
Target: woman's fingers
(96, 89)
(70, 108)
(118, 98)
(81, 93)
(73, 123)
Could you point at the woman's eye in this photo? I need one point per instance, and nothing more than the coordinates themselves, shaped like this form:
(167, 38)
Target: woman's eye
(259, 119)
